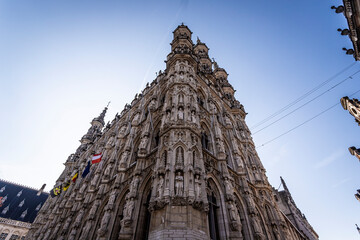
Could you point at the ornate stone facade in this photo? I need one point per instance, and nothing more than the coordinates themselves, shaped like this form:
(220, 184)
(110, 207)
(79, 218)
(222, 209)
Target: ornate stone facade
(177, 163)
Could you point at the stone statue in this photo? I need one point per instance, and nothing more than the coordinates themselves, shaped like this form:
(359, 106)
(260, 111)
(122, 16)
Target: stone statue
(220, 145)
(128, 209)
(143, 142)
(177, 66)
(79, 218)
(134, 185)
(94, 209)
(136, 119)
(72, 234)
(227, 120)
(111, 201)
(234, 216)
(179, 184)
(86, 230)
(104, 223)
(122, 131)
(110, 143)
(160, 186)
(123, 160)
(108, 169)
(228, 186)
(197, 186)
(193, 117)
(181, 114)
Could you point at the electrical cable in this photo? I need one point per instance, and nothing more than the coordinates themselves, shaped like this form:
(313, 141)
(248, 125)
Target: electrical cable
(328, 90)
(292, 129)
(302, 97)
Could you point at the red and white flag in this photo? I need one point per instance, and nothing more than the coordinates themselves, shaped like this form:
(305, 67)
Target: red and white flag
(96, 158)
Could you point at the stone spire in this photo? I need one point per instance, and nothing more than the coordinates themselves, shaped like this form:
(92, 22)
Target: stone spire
(96, 125)
(100, 118)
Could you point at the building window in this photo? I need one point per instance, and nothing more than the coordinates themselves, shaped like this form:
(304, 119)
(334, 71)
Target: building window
(3, 236)
(213, 218)
(14, 237)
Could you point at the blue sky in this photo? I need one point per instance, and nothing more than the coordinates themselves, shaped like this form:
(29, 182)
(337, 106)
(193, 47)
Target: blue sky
(62, 61)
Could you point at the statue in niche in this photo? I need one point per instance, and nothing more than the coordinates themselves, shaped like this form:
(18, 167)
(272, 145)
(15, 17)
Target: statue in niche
(123, 160)
(181, 113)
(220, 145)
(193, 139)
(79, 218)
(111, 201)
(197, 186)
(228, 186)
(128, 209)
(193, 117)
(212, 108)
(122, 131)
(177, 66)
(233, 212)
(257, 174)
(108, 169)
(111, 142)
(143, 142)
(94, 181)
(104, 223)
(93, 209)
(239, 161)
(152, 103)
(86, 230)
(168, 116)
(256, 224)
(136, 119)
(179, 184)
(66, 225)
(179, 156)
(227, 120)
(134, 185)
(160, 186)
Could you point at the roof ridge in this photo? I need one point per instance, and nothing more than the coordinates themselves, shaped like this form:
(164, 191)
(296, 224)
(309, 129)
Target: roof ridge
(21, 185)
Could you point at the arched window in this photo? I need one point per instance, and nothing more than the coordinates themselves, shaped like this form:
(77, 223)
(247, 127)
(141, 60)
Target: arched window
(179, 160)
(205, 140)
(213, 218)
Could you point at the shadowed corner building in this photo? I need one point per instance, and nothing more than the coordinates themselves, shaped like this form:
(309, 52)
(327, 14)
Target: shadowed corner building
(19, 206)
(177, 163)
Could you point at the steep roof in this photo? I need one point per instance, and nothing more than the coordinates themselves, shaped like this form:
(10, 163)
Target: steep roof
(19, 202)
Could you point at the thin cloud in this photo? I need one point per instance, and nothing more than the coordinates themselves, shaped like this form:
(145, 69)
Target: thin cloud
(329, 159)
(340, 182)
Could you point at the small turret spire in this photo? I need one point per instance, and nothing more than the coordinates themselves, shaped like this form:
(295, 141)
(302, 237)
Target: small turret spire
(102, 116)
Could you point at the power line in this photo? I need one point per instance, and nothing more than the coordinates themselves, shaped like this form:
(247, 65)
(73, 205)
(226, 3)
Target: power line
(302, 97)
(292, 129)
(328, 90)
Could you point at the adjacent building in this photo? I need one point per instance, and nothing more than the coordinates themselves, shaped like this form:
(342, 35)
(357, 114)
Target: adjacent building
(19, 206)
(178, 162)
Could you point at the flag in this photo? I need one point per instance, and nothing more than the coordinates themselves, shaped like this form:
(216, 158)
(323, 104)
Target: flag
(55, 191)
(86, 171)
(66, 185)
(96, 158)
(73, 179)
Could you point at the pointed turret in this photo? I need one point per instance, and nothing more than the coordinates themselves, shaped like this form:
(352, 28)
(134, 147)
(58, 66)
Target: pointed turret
(182, 37)
(96, 125)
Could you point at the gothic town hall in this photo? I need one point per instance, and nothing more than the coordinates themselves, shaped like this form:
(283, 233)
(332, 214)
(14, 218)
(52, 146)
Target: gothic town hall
(177, 163)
